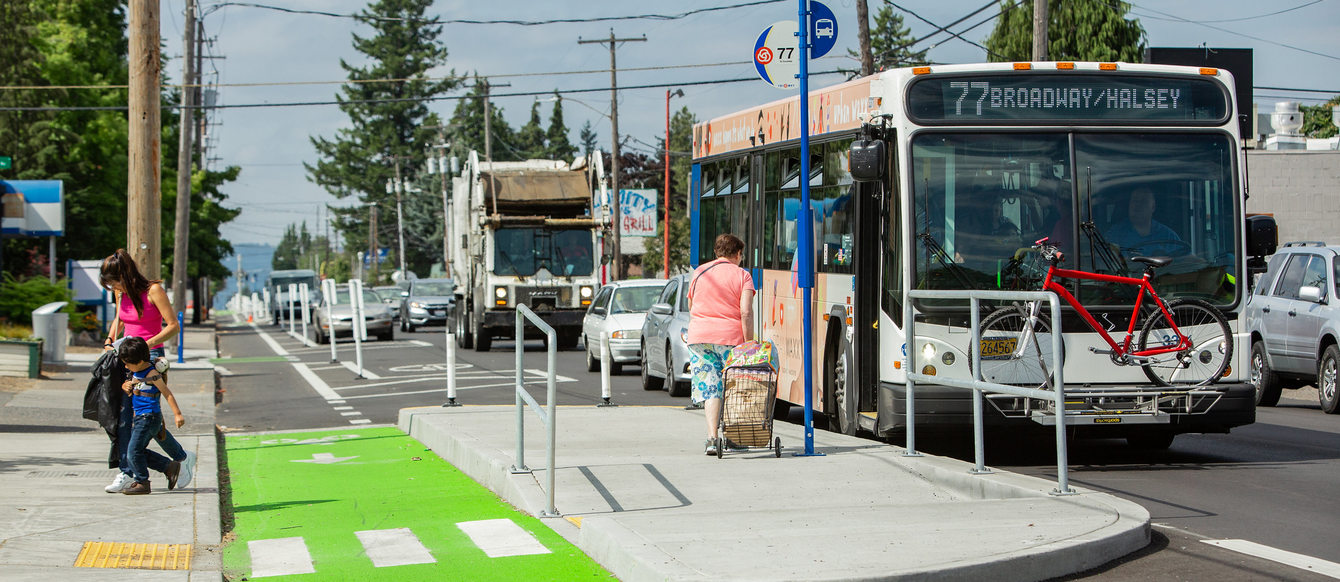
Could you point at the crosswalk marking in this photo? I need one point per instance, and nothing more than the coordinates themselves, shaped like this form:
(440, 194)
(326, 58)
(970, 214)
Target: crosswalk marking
(1285, 557)
(279, 557)
(361, 421)
(393, 547)
(502, 537)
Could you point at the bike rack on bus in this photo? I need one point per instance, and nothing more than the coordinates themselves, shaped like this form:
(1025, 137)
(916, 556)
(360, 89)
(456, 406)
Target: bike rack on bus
(977, 384)
(546, 413)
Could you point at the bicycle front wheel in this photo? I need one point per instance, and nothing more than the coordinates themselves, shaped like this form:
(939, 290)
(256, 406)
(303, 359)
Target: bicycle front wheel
(1211, 348)
(1016, 352)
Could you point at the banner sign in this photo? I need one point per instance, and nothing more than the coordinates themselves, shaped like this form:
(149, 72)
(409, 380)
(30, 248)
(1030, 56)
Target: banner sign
(637, 210)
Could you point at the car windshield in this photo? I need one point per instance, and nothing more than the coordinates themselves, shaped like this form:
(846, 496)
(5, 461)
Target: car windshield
(369, 296)
(634, 299)
(524, 251)
(283, 282)
(439, 289)
(981, 200)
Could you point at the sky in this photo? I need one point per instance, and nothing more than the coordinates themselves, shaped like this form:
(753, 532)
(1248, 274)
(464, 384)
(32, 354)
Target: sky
(288, 58)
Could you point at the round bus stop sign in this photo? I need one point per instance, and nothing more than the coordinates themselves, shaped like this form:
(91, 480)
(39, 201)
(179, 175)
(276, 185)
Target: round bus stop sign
(776, 57)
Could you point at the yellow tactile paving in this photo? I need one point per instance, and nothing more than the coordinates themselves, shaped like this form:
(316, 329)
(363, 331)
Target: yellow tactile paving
(138, 556)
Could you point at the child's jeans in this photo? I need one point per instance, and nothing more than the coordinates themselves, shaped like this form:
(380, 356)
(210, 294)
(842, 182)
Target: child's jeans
(143, 429)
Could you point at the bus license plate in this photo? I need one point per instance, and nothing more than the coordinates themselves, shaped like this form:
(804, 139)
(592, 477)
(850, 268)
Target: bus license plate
(999, 347)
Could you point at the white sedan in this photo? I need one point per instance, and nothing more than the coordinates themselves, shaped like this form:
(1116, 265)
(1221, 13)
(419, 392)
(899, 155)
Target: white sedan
(618, 312)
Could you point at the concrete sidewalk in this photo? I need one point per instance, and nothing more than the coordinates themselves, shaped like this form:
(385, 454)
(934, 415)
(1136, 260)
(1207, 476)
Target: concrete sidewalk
(53, 468)
(638, 495)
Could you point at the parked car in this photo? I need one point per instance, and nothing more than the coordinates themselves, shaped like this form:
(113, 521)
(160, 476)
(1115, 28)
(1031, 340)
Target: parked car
(338, 319)
(1294, 319)
(426, 302)
(390, 295)
(665, 351)
(618, 310)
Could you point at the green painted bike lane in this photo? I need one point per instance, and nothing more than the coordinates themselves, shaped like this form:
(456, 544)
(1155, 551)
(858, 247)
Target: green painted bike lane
(351, 504)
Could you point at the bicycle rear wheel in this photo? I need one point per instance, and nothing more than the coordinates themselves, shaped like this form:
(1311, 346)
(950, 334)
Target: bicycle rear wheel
(1016, 353)
(1211, 344)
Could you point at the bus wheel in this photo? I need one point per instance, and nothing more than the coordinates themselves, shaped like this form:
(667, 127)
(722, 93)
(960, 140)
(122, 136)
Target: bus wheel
(841, 391)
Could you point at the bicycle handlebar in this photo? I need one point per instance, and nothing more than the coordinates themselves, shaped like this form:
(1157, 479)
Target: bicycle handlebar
(1050, 252)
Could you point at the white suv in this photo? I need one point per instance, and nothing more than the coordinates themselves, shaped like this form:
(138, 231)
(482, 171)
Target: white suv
(1294, 319)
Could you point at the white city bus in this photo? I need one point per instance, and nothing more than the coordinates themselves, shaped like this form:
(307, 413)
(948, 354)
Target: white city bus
(981, 161)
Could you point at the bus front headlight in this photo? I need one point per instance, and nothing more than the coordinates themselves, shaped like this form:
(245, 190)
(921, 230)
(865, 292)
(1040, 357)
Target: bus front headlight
(586, 292)
(501, 294)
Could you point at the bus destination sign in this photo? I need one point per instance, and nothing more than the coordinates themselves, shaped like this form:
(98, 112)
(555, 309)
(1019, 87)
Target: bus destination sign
(1068, 98)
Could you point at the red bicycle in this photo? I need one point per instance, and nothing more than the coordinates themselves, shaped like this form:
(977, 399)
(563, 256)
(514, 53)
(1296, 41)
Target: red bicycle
(1184, 342)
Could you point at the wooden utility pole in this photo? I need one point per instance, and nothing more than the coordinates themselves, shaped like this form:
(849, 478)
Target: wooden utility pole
(863, 36)
(143, 196)
(182, 232)
(614, 150)
(1039, 30)
(488, 117)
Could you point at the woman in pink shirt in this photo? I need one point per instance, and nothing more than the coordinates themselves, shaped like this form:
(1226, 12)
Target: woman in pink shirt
(721, 316)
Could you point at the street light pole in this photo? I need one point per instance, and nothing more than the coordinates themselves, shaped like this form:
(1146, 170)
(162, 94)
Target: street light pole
(665, 232)
(399, 217)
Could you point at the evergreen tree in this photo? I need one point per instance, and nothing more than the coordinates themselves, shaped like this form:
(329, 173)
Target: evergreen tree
(1076, 31)
(588, 138)
(559, 147)
(287, 251)
(890, 43)
(681, 144)
(387, 118)
(468, 126)
(530, 140)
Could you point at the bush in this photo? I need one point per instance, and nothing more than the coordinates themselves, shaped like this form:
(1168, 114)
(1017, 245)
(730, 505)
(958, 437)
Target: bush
(12, 331)
(18, 298)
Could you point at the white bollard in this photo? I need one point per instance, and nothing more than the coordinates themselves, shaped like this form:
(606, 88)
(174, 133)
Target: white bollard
(329, 296)
(305, 292)
(292, 292)
(605, 370)
(357, 325)
(451, 369)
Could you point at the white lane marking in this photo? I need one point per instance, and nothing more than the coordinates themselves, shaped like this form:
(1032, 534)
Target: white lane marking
(280, 557)
(354, 413)
(360, 421)
(274, 345)
(305, 341)
(335, 401)
(317, 383)
(324, 368)
(343, 408)
(511, 381)
(223, 371)
(501, 537)
(393, 547)
(421, 343)
(393, 394)
(366, 374)
(544, 374)
(1285, 557)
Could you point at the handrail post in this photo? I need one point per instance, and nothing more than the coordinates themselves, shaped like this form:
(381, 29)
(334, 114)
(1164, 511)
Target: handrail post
(552, 394)
(1062, 454)
(520, 466)
(910, 401)
(975, 351)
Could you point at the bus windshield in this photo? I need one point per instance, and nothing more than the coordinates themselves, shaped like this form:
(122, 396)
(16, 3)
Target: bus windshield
(981, 199)
(523, 252)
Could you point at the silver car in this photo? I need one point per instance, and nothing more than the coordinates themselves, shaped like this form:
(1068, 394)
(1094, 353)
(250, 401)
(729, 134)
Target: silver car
(426, 302)
(338, 319)
(1293, 316)
(617, 313)
(390, 295)
(665, 351)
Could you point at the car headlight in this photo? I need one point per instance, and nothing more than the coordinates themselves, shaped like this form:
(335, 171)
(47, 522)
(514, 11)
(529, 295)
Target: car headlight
(684, 335)
(415, 304)
(626, 334)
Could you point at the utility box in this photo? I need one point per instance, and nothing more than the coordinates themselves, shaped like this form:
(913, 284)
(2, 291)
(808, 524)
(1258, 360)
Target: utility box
(52, 325)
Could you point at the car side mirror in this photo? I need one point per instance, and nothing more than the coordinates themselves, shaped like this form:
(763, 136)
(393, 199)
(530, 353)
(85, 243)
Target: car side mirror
(661, 308)
(1310, 293)
(598, 311)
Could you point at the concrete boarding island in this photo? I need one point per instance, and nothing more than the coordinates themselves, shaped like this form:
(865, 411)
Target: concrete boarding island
(638, 495)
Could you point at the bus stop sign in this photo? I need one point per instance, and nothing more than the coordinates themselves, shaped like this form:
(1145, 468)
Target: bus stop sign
(775, 55)
(823, 30)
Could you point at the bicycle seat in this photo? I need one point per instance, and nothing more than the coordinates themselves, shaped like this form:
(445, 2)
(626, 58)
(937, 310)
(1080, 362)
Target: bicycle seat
(1153, 261)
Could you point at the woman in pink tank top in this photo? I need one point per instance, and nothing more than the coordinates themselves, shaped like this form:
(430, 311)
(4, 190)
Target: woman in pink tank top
(721, 316)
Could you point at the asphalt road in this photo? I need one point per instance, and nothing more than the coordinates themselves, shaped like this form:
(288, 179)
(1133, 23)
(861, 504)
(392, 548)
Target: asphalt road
(1271, 484)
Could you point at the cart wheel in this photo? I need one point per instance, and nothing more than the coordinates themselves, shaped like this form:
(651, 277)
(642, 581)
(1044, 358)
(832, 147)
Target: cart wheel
(721, 447)
(777, 446)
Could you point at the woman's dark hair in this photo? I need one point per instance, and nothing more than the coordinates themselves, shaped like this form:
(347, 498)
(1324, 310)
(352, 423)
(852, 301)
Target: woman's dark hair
(133, 350)
(728, 245)
(120, 268)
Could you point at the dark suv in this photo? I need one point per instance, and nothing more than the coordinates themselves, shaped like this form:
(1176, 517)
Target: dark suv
(1294, 319)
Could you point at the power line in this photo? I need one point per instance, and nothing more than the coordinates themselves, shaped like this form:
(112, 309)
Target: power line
(435, 20)
(944, 29)
(1221, 29)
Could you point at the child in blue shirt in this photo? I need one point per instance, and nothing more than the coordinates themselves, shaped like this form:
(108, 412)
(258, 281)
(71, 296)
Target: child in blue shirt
(145, 386)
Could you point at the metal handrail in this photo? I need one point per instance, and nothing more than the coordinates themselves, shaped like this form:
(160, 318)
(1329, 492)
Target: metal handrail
(977, 384)
(546, 414)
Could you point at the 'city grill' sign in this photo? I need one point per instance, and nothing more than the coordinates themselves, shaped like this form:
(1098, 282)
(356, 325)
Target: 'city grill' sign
(1058, 98)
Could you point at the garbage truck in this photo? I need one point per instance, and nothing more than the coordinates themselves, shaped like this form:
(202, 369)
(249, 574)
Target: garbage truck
(529, 234)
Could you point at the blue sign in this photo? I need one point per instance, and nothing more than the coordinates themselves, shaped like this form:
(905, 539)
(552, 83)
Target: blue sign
(382, 254)
(33, 207)
(823, 30)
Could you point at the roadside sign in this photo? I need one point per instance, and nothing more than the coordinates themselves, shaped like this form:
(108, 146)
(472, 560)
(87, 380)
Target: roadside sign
(775, 55)
(6, 162)
(823, 30)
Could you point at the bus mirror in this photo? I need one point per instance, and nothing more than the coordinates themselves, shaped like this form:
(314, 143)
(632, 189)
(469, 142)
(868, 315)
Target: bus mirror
(1262, 235)
(867, 160)
(605, 259)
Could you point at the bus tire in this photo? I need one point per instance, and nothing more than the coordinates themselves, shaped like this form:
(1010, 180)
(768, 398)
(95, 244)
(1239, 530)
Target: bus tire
(841, 402)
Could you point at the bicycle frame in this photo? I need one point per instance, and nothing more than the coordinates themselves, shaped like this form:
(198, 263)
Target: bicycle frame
(1122, 350)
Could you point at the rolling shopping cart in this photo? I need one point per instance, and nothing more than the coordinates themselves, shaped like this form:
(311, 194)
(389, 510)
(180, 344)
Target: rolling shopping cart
(750, 392)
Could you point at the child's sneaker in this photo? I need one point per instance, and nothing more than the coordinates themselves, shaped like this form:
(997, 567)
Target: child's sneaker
(137, 488)
(710, 448)
(122, 481)
(187, 470)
